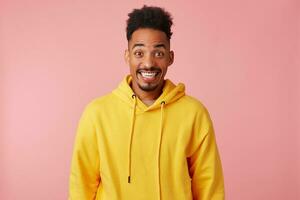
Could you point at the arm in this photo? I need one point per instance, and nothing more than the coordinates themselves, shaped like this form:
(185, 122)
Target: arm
(85, 178)
(204, 163)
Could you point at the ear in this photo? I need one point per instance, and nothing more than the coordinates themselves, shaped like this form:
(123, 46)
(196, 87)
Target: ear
(126, 56)
(171, 57)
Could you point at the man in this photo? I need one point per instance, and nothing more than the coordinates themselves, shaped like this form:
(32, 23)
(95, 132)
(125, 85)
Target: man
(146, 139)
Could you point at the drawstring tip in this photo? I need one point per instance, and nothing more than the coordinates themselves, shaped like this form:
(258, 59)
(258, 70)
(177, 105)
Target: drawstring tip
(128, 179)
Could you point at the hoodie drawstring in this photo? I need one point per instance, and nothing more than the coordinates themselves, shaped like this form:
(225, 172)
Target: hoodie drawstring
(131, 136)
(160, 142)
(159, 145)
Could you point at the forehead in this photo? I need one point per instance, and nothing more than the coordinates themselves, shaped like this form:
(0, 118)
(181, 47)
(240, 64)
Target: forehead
(148, 37)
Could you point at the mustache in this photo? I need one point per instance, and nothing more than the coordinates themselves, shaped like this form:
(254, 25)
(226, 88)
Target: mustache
(157, 69)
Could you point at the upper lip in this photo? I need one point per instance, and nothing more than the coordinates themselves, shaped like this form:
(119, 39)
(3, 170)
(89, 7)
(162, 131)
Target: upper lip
(149, 70)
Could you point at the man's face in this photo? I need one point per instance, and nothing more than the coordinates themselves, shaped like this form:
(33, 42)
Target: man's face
(149, 57)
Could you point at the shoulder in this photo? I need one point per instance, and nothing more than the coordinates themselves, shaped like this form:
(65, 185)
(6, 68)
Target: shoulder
(193, 103)
(99, 103)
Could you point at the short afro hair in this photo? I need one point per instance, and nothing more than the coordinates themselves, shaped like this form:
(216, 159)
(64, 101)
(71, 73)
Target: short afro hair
(149, 17)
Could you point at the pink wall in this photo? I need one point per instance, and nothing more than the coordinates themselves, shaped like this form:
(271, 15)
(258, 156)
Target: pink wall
(241, 58)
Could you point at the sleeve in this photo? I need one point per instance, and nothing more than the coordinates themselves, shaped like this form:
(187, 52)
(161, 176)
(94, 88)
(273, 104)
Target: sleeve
(85, 174)
(204, 163)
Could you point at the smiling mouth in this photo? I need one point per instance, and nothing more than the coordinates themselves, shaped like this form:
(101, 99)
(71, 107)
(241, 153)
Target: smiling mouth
(148, 74)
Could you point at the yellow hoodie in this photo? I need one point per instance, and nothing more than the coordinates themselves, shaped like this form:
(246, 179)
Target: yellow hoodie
(125, 150)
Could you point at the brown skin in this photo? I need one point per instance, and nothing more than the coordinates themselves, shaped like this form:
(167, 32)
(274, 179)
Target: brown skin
(148, 51)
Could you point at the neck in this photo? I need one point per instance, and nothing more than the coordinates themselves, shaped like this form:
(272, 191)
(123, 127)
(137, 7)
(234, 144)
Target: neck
(147, 97)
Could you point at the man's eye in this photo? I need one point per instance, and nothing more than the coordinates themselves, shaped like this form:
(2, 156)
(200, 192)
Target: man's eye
(159, 54)
(138, 54)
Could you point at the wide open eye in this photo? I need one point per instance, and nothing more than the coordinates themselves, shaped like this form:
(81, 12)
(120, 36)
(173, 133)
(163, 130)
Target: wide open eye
(138, 54)
(159, 54)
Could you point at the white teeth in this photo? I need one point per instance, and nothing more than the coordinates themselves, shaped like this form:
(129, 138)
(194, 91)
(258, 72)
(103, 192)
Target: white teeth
(148, 74)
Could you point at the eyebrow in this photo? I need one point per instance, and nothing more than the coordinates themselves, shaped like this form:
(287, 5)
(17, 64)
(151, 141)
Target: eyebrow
(137, 45)
(160, 45)
(155, 46)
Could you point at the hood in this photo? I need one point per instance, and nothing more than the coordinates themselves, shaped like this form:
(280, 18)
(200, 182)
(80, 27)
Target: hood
(170, 93)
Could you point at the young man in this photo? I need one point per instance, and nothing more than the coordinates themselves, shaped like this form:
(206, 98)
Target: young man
(147, 139)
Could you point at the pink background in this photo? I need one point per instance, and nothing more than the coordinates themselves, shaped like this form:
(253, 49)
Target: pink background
(240, 58)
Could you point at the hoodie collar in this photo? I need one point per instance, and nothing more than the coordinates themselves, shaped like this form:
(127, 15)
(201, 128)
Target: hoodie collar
(170, 93)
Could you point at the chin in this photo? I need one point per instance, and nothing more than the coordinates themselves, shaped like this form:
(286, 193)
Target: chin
(147, 87)
(150, 87)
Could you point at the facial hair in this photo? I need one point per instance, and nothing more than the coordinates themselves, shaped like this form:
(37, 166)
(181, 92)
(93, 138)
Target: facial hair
(148, 87)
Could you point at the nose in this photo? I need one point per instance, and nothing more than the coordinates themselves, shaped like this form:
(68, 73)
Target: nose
(148, 62)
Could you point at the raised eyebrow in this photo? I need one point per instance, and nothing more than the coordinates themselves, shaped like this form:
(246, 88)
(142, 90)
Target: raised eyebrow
(137, 45)
(160, 46)
(155, 46)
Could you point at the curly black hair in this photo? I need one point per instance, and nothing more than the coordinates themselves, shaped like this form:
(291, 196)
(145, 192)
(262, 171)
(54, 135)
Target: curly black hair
(149, 17)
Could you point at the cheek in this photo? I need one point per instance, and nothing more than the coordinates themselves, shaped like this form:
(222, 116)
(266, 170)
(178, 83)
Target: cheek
(133, 67)
(164, 65)
(133, 62)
